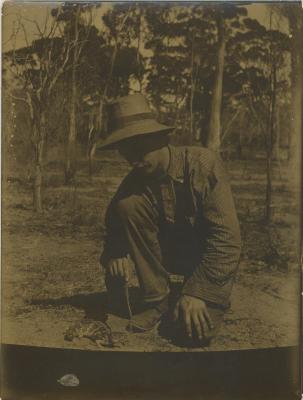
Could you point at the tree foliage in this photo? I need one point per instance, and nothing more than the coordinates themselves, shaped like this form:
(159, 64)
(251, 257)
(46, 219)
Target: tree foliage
(167, 51)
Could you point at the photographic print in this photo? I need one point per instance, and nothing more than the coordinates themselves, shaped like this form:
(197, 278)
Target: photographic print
(151, 176)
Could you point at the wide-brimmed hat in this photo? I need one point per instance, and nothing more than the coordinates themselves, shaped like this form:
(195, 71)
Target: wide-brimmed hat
(128, 117)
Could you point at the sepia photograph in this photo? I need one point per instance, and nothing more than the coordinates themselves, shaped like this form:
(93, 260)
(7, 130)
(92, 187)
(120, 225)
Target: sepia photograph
(151, 160)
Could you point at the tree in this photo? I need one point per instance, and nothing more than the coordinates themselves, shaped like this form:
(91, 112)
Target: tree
(180, 38)
(120, 60)
(214, 128)
(248, 66)
(36, 70)
(185, 68)
(263, 55)
(294, 15)
(227, 20)
(77, 19)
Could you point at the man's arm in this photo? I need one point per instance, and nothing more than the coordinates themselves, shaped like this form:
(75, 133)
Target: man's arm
(220, 239)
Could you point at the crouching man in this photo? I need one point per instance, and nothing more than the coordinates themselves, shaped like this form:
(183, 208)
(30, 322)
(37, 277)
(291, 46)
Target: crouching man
(173, 213)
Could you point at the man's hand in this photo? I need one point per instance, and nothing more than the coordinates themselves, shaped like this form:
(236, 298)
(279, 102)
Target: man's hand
(119, 268)
(194, 314)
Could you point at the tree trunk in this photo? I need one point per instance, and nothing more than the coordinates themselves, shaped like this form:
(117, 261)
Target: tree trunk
(276, 144)
(140, 68)
(39, 154)
(239, 149)
(96, 128)
(268, 213)
(37, 187)
(269, 145)
(91, 150)
(71, 140)
(192, 91)
(70, 165)
(197, 135)
(91, 160)
(296, 27)
(214, 128)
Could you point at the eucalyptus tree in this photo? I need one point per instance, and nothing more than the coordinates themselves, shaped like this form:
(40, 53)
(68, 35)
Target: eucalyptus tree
(188, 45)
(260, 83)
(36, 71)
(77, 21)
(293, 13)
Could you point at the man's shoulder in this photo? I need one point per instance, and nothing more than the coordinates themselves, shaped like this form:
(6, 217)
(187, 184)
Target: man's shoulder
(197, 156)
(202, 153)
(204, 165)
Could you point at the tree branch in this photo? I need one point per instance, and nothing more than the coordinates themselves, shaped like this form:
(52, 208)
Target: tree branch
(17, 98)
(60, 71)
(25, 35)
(40, 33)
(230, 122)
(260, 123)
(31, 108)
(16, 74)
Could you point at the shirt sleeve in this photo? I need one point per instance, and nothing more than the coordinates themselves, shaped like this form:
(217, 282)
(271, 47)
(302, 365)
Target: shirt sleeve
(219, 236)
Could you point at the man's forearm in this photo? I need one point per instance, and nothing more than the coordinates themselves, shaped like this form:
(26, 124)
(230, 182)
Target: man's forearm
(212, 280)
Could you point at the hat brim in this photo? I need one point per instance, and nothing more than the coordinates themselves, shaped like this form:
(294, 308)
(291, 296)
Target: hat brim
(139, 128)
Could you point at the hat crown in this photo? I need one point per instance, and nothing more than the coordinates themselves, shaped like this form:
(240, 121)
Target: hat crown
(130, 116)
(127, 110)
(131, 105)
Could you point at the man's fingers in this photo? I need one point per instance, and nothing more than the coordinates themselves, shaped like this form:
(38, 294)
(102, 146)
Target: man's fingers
(208, 319)
(119, 265)
(126, 269)
(176, 313)
(197, 326)
(126, 274)
(120, 270)
(203, 323)
(187, 321)
(111, 270)
(115, 268)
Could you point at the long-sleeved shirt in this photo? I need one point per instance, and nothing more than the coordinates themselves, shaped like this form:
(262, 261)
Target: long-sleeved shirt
(209, 205)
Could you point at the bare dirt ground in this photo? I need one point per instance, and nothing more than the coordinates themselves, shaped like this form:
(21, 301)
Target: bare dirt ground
(51, 277)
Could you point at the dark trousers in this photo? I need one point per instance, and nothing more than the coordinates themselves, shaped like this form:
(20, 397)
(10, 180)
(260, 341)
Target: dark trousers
(159, 248)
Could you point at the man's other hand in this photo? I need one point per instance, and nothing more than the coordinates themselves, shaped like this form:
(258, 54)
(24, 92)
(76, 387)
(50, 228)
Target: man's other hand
(119, 268)
(194, 314)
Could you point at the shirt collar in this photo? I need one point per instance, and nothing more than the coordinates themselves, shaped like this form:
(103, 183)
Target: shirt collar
(176, 163)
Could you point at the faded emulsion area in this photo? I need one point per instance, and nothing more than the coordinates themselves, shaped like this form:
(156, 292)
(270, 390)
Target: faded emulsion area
(151, 182)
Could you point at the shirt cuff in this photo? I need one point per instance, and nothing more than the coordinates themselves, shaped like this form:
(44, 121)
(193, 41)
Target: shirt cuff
(209, 291)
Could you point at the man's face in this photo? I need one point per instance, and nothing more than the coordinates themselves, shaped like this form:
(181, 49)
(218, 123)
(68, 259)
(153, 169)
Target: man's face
(143, 153)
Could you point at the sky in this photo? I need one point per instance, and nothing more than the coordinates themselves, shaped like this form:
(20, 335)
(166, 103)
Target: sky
(34, 14)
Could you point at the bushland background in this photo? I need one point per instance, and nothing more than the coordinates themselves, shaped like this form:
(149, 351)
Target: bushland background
(227, 77)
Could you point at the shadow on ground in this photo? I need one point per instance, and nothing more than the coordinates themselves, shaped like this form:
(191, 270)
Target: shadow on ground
(95, 305)
(174, 333)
